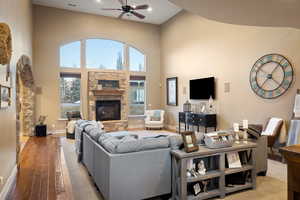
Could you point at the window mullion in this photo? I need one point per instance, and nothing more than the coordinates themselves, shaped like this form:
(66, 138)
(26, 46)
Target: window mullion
(126, 57)
(83, 54)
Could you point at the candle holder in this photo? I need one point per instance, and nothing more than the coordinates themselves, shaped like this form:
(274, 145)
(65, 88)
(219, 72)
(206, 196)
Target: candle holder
(245, 133)
(236, 130)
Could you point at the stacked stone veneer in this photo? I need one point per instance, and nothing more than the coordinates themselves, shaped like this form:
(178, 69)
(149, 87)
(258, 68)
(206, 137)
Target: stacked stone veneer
(123, 78)
(25, 96)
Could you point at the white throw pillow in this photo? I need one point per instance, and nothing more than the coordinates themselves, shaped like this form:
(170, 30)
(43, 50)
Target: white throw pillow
(272, 125)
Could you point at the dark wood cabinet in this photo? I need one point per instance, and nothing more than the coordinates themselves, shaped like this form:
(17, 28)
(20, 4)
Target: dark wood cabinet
(41, 130)
(292, 157)
(195, 119)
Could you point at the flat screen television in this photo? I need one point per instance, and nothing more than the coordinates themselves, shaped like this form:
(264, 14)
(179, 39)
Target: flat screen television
(202, 88)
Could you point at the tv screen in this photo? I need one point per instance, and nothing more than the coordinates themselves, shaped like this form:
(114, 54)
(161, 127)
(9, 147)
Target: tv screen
(202, 88)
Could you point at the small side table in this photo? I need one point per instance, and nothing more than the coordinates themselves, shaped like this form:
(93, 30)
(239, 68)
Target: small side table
(41, 130)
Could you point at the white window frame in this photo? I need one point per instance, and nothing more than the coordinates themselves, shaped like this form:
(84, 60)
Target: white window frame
(145, 96)
(80, 78)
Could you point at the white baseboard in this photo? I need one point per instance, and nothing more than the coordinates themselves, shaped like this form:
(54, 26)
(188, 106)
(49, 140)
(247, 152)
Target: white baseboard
(8, 183)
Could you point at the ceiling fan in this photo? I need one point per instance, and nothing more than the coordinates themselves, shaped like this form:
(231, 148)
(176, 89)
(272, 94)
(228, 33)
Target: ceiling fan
(127, 9)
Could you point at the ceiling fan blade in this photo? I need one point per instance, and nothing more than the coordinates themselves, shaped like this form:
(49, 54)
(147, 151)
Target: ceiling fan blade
(122, 2)
(121, 15)
(141, 7)
(111, 9)
(137, 14)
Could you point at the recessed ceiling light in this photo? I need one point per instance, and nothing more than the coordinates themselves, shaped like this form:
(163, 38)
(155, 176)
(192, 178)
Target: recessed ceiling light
(98, 1)
(149, 9)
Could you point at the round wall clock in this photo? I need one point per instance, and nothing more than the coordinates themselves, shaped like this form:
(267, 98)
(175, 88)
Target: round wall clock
(271, 76)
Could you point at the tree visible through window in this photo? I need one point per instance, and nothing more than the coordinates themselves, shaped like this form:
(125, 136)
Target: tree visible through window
(104, 54)
(70, 55)
(69, 93)
(137, 96)
(100, 54)
(136, 60)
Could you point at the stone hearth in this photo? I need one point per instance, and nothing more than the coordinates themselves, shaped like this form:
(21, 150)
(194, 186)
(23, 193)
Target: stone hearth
(109, 94)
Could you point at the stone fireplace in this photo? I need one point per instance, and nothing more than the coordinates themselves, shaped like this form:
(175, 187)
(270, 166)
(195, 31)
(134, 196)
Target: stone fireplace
(108, 99)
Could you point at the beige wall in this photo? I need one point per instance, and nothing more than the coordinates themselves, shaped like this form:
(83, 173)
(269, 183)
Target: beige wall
(17, 14)
(194, 47)
(54, 27)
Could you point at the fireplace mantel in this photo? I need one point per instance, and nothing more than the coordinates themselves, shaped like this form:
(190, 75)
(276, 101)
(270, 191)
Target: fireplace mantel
(110, 92)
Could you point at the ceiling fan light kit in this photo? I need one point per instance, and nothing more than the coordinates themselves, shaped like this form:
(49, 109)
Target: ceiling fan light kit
(130, 9)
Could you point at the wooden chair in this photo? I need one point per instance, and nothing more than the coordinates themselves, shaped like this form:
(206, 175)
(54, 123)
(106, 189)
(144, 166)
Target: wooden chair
(274, 135)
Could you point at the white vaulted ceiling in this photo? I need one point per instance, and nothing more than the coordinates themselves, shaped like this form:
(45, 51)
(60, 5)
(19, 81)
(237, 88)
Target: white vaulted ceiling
(162, 10)
(283, 13)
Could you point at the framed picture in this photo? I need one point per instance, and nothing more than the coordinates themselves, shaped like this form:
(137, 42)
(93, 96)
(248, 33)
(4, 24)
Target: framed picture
(189, 141)
(233, 159)
(172, 89)
(5, 96)
(4, 75)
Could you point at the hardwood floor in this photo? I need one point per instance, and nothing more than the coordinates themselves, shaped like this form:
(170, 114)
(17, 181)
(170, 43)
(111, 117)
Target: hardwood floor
(43, 173)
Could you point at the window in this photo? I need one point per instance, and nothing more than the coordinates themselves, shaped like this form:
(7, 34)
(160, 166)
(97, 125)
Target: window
(104, 54)
(70, 55)
(69, 93)
(137, 96)
(136, 60)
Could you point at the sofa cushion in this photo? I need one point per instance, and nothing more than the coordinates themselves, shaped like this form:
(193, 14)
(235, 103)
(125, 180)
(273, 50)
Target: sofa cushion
(123, 142)
(95, 133)
(142, 145)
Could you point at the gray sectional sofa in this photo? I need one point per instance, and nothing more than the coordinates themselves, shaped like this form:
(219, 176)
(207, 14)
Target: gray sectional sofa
(129, 176)
(130, 171)
(130, 166)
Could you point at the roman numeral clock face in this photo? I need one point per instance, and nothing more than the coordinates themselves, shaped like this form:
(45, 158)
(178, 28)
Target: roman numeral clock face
(271, 76)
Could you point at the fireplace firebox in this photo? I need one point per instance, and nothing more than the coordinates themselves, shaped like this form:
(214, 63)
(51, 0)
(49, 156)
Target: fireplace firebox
(108, 110)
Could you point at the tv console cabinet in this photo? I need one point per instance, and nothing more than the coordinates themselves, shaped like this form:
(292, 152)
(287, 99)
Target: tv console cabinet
(197, 119)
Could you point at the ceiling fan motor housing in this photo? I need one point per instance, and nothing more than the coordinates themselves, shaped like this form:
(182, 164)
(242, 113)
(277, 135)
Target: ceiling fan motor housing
(126, 8)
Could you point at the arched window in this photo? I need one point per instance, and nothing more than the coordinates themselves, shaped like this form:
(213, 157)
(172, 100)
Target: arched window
(136, 60)
(104, 54)
(100, 54)
(70, 55)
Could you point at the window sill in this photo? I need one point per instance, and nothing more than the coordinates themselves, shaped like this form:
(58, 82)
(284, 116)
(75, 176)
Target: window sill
(136, 116)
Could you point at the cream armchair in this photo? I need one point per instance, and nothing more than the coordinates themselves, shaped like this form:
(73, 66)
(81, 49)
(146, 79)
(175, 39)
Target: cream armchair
(154, 119)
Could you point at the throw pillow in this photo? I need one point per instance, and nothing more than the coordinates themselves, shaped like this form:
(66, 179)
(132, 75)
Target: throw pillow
(155, 116)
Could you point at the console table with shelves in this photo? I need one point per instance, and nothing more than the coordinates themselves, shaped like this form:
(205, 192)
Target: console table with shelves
(180, 180)
(197, 119)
